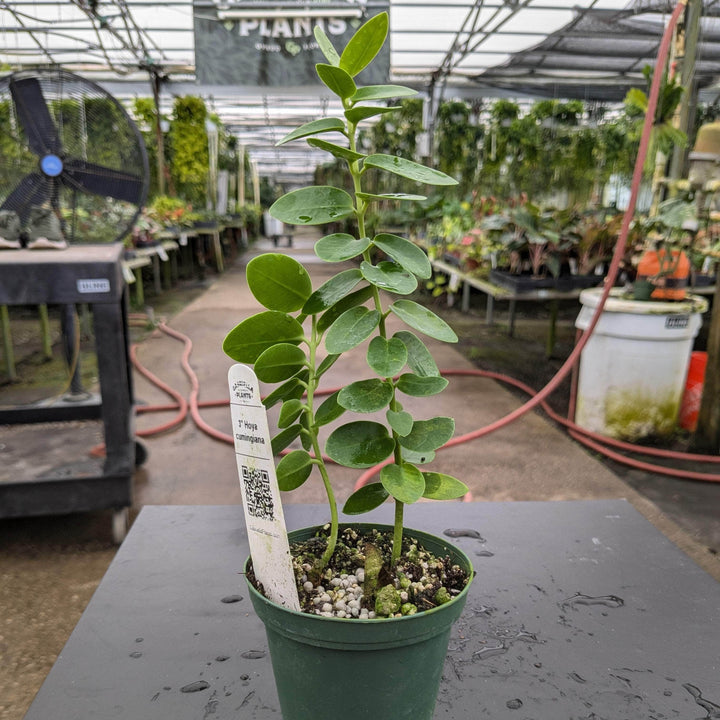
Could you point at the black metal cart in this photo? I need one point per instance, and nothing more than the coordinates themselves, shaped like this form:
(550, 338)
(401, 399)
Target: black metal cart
(45, 467)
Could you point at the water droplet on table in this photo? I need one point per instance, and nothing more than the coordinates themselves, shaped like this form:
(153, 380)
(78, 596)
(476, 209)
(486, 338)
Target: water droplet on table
(712, 709)
(463, 532)
(231, 599)
(196, 686)
(253, 654)
(611, 601)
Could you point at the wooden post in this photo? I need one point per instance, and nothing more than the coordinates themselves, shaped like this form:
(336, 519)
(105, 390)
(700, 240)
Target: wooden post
(707, 435)
(45, 331)
(7, 343)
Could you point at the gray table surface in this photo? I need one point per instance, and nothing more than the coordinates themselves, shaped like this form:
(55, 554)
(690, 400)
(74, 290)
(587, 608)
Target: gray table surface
(580, 610)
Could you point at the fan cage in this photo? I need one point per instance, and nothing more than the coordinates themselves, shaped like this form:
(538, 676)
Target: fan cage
(92, 128)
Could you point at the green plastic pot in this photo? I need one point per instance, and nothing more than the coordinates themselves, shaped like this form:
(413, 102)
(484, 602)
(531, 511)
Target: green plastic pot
(361, 669)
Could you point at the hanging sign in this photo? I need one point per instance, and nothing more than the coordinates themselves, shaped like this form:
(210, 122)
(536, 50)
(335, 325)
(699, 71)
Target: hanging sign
(267, 534)
(244, 42)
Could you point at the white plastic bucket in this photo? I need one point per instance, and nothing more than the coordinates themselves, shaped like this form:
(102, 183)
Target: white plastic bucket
(273, 226)
(633, 368)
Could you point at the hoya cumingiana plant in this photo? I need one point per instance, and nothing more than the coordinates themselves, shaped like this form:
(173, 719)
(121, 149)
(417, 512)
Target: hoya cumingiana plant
(302, 331)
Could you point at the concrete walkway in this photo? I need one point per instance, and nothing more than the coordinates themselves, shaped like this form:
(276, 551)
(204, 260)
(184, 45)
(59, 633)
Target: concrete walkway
(49, 567)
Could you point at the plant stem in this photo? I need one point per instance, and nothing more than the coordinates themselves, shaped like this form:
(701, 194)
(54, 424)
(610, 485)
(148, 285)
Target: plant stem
(360, 208)
(397, 533)
(312, 384)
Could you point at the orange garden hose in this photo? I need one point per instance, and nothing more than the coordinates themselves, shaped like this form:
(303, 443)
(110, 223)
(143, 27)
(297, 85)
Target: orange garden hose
(594, 441)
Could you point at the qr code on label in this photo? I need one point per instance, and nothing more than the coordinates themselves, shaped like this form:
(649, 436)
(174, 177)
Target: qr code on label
(257, 493)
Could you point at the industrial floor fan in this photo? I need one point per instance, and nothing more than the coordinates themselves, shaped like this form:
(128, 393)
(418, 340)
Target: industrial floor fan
(69, 148)
(68, 144)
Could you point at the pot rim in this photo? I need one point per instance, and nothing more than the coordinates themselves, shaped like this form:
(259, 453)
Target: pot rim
(619, 302)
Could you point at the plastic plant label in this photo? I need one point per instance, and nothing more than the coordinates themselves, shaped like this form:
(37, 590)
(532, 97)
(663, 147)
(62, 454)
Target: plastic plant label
(267, 534)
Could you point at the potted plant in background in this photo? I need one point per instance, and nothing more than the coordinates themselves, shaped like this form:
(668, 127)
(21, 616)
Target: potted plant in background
(663, 271)
(531, 240)
(632, 371)
(340, 655)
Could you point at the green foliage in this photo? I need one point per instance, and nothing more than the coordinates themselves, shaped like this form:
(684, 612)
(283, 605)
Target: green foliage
(189, 149)
(169, 211)
(664, 135)
(285, 342)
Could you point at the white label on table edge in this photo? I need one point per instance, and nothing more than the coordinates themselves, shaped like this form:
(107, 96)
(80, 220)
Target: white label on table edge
(264, 518)
(93, 285)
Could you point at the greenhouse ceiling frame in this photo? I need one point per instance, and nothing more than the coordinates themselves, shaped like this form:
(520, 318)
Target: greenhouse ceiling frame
(594, 50)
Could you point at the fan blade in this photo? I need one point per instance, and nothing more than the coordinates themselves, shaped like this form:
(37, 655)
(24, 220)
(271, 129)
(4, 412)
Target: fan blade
(33, 189)
(34, 116)
(101, 180)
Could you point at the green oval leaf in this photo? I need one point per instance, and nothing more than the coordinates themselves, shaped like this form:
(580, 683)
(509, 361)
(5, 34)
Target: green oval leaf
(314, 128)
(350, 329)
(336, 80)
(359, 444)
(409, 169)
(363, 112)
(314, 205)
(327, 48)
(420, 360)
(289, 412)
(336, 288)
(424, 320)
(418, 458)
(404, 482)
(391, 196)
(326, 364)
(439, 486)
(365, 44)
(381, 92)
(419, 386)
(305, 435)
(365, 396)
(405, 253)
(293, 388)
(338, 151)
(329, 410)
(284, 438)
(278, 282)
(365, 499)
(386, 357)
(248, 340)
(279, 362)
(293, 470)
(401, 422)
(340, 246)
(429, 435)
(389, 276)
(349, 301)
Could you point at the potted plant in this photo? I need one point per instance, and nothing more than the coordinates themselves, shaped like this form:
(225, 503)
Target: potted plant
(663, 271)
(381, 653)
(531, 240)
(633, 369)
(171, 213)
